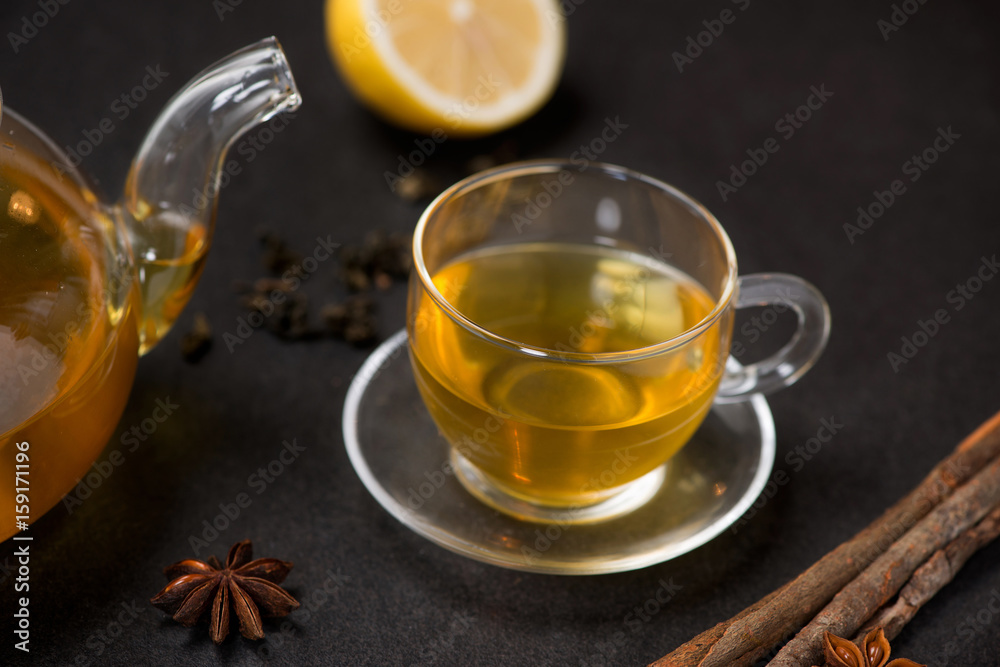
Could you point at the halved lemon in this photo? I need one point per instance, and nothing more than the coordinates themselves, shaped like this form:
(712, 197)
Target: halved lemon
(461, 67)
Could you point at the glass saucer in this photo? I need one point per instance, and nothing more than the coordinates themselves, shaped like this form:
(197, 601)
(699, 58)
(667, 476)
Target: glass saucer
(405, 464)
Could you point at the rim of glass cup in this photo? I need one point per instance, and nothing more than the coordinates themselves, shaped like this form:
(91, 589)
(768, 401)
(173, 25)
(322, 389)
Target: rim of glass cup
(528, 167)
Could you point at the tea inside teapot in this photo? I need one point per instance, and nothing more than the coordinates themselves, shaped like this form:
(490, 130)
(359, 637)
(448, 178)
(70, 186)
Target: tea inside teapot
(68, 362)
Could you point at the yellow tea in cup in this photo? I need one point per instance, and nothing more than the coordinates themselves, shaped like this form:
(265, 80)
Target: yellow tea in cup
(565, 431)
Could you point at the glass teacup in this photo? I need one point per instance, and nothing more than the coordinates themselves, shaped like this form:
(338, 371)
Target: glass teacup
(570, 327)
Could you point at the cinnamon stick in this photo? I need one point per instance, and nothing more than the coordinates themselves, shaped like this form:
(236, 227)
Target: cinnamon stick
(932, 576)
(692, 652)
(853, 605)
(761, 626)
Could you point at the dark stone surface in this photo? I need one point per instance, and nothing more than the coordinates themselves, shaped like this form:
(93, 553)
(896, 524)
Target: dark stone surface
(399, 599)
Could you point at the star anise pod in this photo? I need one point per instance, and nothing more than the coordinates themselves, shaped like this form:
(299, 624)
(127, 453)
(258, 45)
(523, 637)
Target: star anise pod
(875, 652)
(249, 586)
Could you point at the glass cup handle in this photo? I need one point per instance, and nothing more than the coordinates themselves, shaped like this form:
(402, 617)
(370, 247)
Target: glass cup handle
(781, 292)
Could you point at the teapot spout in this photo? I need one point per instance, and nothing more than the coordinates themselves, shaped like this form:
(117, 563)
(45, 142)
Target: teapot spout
(171, 193)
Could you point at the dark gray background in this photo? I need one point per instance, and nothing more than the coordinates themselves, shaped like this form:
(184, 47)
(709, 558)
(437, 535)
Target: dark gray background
(400, 599)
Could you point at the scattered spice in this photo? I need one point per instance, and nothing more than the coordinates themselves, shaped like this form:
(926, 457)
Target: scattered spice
(873, 652)
(381, 259)
(417, 186)
(285, 311)
(196, 343)
(250, 587)
(353, 320)
(278, 257)
(379, 262)
(502, 154)
(954, 510)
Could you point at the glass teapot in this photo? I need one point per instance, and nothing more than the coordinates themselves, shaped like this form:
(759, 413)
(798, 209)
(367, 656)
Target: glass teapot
(86, 287)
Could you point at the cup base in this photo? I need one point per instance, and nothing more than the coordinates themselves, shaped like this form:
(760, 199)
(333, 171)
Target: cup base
(627, 498)
(403, 461)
